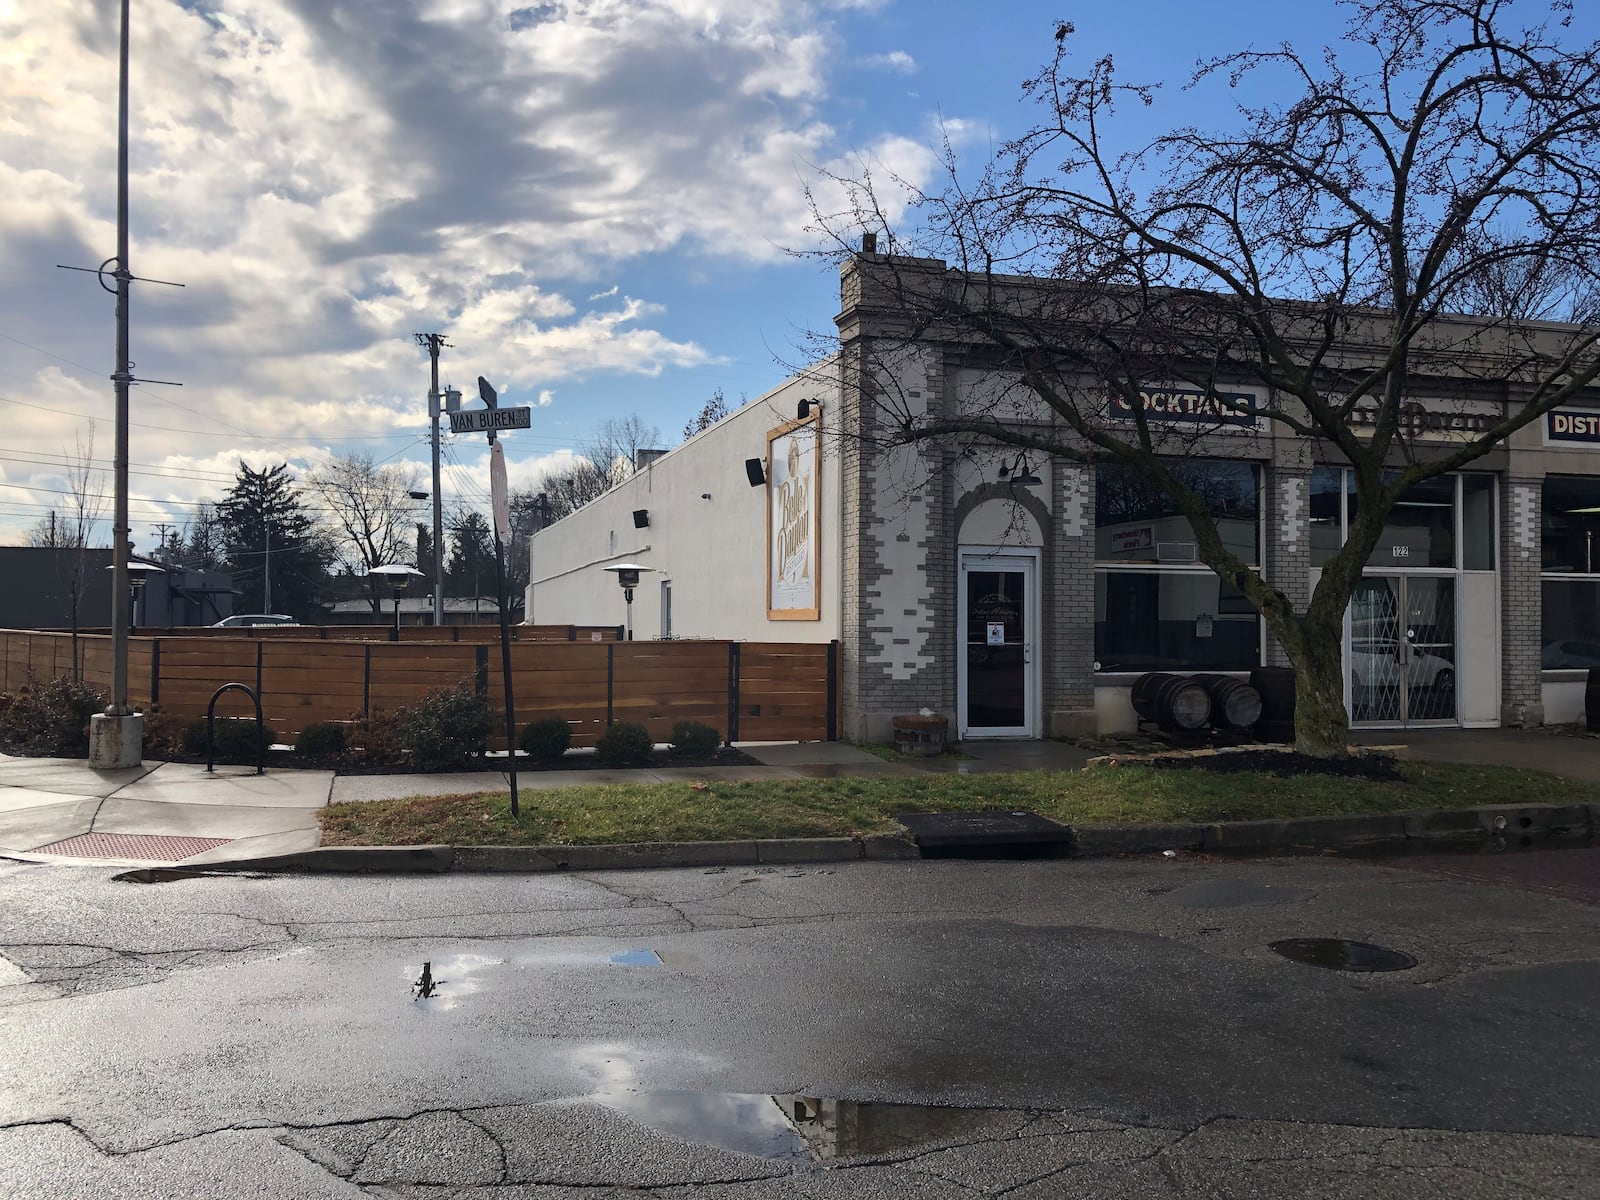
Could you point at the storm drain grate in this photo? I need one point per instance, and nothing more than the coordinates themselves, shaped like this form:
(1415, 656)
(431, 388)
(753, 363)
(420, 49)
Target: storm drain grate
(146, 847)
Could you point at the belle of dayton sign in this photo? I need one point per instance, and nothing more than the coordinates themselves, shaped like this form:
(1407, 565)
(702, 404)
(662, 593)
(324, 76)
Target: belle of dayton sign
(794, 454)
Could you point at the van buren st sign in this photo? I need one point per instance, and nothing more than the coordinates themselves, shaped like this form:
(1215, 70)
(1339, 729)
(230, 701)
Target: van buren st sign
(481, 420)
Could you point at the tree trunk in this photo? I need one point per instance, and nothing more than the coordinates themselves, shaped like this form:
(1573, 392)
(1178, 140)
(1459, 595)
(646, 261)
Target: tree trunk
(1321, 725)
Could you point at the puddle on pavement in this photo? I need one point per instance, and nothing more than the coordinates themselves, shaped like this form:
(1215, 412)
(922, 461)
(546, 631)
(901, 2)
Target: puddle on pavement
(444, 981)
(1337, 954)
(806, 1128)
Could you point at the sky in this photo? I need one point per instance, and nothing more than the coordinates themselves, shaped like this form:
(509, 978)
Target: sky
(597, 202)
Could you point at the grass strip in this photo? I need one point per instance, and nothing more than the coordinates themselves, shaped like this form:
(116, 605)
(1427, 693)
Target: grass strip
(717, 811)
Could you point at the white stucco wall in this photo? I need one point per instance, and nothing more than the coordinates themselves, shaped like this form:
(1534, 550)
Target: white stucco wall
(707, 535)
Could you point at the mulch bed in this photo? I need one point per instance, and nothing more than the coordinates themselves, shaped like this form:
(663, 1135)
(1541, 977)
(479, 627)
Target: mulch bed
(1377, 767)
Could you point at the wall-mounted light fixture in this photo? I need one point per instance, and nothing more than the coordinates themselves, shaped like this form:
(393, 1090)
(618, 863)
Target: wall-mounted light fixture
(755, 470)
(1019, 471)
(803, 409)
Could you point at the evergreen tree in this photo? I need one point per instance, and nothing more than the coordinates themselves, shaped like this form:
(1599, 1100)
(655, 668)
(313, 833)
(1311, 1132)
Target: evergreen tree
(276, 549)
(469, 570)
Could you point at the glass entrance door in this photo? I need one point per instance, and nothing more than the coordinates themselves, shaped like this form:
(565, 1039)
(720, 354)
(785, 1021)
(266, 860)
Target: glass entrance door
(996, 684)
(1403, 650)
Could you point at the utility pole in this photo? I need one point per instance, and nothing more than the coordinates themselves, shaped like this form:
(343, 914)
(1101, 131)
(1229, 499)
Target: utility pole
(266, 565)
(116, 736)
(433, 342)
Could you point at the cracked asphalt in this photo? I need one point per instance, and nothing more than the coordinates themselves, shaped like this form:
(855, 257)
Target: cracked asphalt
(1100, 1028)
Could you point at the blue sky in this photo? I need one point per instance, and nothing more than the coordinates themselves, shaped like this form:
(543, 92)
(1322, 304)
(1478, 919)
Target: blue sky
(590, 198)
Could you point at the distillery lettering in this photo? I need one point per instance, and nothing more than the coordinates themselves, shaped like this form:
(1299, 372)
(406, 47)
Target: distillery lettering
(1573, 426)
(1415, 419)
(1223, 408)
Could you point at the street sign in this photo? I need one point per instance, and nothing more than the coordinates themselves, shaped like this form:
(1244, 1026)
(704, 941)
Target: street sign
(481, 420)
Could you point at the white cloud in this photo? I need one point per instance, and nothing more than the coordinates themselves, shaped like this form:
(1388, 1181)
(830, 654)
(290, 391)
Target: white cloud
(328, 180)
(895, 60)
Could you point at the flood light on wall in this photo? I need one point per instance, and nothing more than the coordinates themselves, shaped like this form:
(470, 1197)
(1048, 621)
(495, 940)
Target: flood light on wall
(755, 471)
(804, 408)
(1019, 472)
(641, 518)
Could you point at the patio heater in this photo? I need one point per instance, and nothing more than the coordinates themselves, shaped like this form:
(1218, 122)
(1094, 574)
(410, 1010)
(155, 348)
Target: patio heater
(628, 576)
(398, 577)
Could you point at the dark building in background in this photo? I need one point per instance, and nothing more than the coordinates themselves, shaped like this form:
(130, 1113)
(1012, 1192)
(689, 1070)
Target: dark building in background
(40, 583)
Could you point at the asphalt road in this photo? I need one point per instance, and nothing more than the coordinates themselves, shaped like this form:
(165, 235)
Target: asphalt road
(1099, 1028)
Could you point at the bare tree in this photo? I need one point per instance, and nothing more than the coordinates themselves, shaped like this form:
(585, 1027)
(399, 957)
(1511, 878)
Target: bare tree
(73, 529)
(371, 506)
(712, 411)
(1298, 271)
(613, 450)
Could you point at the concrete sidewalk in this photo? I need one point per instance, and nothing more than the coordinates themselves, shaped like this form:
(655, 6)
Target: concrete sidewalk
(62, 811)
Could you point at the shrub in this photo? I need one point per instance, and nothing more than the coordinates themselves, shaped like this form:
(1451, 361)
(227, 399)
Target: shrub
(164, 734)
(237, 739)
(545, 741)
(446, 729)
(375, 736)
(50, 718)
(625, 744)
(695, 739)
(321, 739)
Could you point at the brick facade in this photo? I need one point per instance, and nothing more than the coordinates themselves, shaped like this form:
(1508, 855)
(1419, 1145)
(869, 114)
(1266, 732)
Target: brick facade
(1521, 603)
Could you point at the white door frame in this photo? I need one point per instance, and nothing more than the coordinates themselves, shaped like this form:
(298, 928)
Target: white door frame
(1001, 558)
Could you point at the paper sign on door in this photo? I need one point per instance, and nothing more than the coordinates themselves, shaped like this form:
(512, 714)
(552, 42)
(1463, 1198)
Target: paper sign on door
(997, 633)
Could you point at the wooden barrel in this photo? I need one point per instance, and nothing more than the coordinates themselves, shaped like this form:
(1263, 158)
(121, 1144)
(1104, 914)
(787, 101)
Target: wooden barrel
(1234, 703)
(1275, 685)
(1174, 702)
(1591, 701)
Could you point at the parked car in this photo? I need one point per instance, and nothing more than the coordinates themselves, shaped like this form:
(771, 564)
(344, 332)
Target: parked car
(243, 620)
(1569, 655)
(1373, 663)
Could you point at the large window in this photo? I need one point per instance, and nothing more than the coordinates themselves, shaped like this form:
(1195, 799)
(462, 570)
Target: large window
(1157, 607)
(1443, 522)
(1570, 588)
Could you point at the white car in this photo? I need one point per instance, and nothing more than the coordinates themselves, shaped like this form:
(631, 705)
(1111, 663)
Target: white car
(245, 620)
(1372, 664)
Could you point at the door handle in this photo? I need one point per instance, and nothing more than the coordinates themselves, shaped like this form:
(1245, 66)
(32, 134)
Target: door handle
(1027, 652)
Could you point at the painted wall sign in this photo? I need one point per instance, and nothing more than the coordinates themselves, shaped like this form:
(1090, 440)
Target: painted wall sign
(1564, 425)
(794, 532)
(1443, 419)
(1196, 407)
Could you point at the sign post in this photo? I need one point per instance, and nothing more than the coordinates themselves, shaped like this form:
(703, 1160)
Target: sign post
(502, 530)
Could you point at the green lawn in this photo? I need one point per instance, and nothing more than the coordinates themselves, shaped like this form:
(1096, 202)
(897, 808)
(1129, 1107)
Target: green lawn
(848, 806)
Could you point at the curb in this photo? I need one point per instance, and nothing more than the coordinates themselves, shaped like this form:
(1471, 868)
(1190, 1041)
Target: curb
(1498, 826)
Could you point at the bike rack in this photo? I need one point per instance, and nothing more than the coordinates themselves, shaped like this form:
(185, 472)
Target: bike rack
(211, 727)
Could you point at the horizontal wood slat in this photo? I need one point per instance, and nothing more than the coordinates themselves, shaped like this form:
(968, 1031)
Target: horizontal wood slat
(331, 673)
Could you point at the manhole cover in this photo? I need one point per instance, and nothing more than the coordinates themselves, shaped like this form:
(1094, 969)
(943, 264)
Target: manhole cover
(1337, 954)
(144, 847)
(990, 827)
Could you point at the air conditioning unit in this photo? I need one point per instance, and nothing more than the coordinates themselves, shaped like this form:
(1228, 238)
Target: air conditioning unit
(1177, 552)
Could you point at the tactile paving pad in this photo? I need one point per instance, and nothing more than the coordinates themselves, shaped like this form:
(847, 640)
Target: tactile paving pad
(147, 847)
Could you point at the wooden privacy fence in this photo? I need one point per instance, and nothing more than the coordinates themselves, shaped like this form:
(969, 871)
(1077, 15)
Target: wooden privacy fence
(385, 632)
(749, 691)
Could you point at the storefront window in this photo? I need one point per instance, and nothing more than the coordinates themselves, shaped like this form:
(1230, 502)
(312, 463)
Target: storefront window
(1172, 621)
(1419, 531)
(1571, 638)
(1477, 522)
(1570, 529)
(1571, 524)
(1136, 521)
(1329, 499)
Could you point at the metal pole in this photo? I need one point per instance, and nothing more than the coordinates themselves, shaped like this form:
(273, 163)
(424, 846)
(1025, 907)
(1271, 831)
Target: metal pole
(120, 546)
(438, 498)
(505, 670)
(266, 567)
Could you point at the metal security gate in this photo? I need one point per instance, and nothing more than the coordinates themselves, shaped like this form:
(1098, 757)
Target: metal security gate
(1402, 651)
